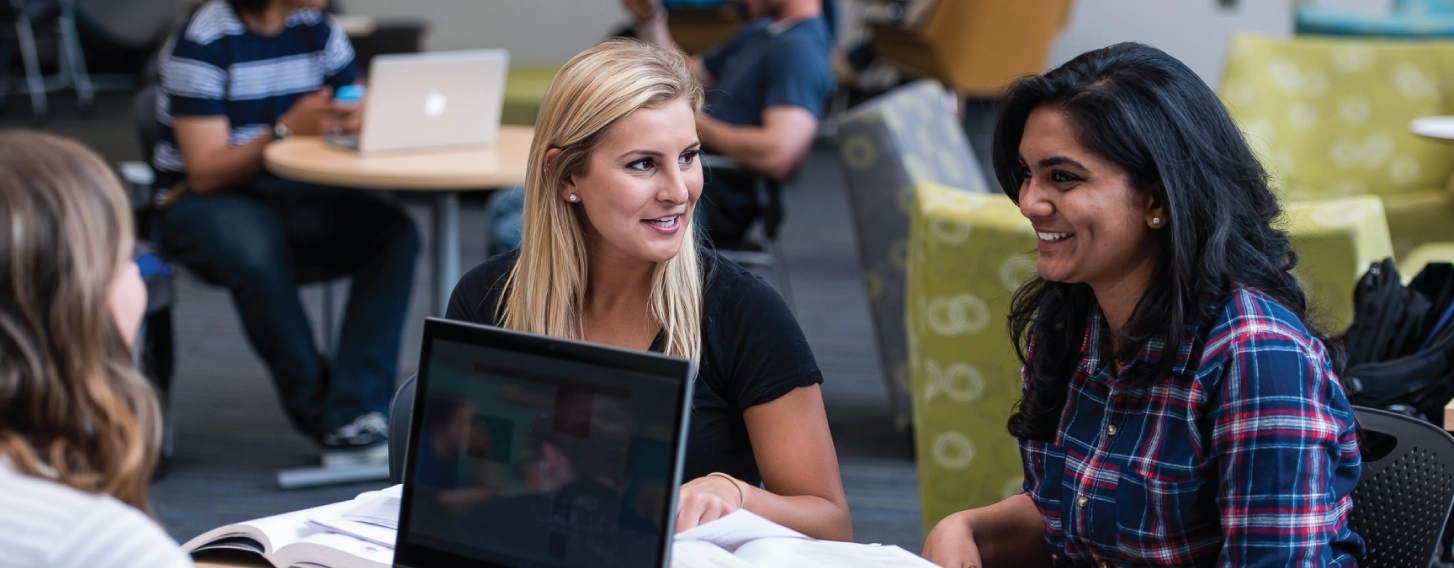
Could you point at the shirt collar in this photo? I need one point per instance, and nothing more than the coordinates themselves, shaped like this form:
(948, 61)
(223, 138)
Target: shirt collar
(1149, 353)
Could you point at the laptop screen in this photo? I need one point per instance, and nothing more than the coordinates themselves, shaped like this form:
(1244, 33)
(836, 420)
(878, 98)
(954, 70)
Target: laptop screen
(542, 458)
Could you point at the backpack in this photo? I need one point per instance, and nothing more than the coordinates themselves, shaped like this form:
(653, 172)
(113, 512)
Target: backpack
(1400, 344)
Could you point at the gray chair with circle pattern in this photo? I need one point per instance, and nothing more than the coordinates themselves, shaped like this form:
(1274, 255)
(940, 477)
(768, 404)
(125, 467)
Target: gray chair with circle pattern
(907, 136)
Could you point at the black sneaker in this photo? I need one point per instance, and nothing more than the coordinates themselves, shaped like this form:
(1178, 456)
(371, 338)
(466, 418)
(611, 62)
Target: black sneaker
(364, 441)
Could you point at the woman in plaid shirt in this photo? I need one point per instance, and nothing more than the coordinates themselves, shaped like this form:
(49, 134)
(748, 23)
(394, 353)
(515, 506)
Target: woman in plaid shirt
(1179, 409)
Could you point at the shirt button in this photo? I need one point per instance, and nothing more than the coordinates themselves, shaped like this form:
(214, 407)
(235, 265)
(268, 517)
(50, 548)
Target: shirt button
(1082, 501)
(1111, 430)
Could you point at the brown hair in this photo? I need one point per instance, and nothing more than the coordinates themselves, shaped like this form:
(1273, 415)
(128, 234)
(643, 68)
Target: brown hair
(73, 407)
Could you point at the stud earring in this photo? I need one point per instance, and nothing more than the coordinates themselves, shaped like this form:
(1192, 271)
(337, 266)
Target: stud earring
(573, 198)
(1155, 221)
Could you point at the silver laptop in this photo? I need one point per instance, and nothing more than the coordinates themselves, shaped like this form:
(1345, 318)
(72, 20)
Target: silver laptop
(429, 100)
(531, 451)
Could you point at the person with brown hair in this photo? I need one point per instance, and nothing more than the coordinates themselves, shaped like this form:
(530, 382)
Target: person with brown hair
(79, 426)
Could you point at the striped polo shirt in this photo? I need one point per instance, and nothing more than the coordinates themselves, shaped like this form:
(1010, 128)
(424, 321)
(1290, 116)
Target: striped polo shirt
(215, 66)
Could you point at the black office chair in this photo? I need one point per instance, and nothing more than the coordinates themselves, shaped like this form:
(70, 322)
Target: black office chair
(401, 413)
(770, 218)
(1406, 492)
(389, 36)
(156, 352)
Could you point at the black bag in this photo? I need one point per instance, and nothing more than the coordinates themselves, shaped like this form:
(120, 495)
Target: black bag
(1400, 344)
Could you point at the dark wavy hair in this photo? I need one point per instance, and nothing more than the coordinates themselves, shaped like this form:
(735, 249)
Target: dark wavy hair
(1148, 113)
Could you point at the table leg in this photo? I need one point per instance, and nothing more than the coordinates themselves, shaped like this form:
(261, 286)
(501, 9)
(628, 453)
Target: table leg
(446, 249)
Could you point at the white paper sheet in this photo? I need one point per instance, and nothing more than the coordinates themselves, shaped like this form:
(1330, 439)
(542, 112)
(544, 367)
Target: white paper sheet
(736, 529)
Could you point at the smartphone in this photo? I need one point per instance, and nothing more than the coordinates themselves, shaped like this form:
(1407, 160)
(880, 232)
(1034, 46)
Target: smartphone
(349, 94)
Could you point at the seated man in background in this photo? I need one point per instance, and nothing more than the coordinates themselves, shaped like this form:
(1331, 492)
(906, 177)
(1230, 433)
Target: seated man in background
(766, 89)
(237, 75)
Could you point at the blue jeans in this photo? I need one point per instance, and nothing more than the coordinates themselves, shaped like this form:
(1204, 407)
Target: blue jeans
(505, 208)
(262, 241)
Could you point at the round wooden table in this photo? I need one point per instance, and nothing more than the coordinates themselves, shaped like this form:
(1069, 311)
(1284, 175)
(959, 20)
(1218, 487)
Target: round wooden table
(444, 172)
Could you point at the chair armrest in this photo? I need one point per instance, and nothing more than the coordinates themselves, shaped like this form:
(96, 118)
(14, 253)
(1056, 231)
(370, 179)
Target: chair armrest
(723, 163)
(401, 415)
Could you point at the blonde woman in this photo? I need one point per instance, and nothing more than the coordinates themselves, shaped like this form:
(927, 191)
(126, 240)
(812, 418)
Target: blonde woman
(607, 255)
(79, 427)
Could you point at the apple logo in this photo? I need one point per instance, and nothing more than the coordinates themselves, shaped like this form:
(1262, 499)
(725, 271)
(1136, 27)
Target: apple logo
(434, 103)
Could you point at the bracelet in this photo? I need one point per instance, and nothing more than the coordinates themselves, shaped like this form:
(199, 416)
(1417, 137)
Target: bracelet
(741, 495)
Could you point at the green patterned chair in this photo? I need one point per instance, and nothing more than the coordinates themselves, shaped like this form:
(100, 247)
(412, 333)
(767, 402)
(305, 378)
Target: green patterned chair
(1330, 118)
(1336, 240)
(969, 252)
(906, 136)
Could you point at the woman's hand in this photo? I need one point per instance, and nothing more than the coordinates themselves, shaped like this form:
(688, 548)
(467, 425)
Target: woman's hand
(707, 499)
(951, 543)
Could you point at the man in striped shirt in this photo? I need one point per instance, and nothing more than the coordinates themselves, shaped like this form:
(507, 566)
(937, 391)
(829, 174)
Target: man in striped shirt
(237, 75)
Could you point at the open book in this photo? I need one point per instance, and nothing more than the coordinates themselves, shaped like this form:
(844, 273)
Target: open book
(745, 540)
(361, 533)
(348, 534)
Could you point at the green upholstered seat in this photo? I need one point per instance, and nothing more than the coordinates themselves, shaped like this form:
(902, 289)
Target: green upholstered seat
(1330, 118)
(1336, 240)
(524, 90)
(1422, 256)
(968, 254)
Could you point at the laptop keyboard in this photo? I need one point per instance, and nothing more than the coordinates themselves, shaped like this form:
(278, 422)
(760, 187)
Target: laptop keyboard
(348, 141)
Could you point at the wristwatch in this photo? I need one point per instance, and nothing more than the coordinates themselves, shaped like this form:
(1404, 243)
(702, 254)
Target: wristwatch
(281, 131)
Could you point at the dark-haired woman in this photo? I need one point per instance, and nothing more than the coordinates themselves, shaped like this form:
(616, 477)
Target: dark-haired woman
(1179, 409)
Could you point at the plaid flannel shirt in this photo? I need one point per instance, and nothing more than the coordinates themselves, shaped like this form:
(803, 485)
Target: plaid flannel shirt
(1245, 458)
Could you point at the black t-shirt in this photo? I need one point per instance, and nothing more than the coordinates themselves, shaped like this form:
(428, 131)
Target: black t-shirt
(752, 353)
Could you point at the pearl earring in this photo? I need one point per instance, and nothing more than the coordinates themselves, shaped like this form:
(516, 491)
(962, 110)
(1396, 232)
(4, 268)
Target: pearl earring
(573, 198)
(1155, 221)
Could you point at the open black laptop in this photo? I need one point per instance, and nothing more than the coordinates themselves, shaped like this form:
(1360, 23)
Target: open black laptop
(530, 451)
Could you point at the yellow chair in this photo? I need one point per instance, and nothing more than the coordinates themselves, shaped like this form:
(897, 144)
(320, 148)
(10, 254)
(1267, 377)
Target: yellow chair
(1330, 118)
(975, 47)
(1413, 263)
(695, 30)
(1336, 241)
(968, 254)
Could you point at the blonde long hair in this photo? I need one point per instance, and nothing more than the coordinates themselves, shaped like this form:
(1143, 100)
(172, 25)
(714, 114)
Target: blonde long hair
(73, 408)
(545, 291)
